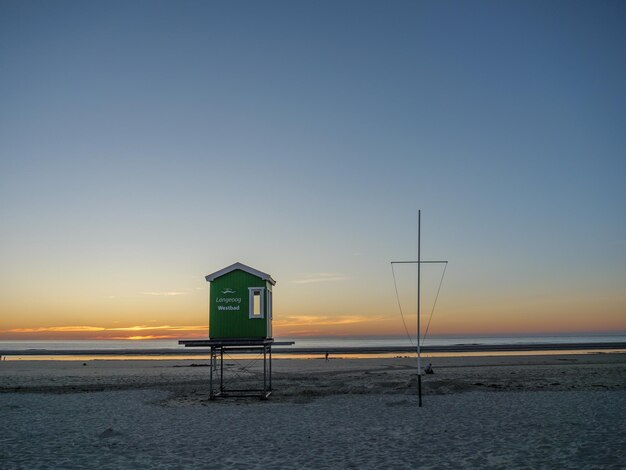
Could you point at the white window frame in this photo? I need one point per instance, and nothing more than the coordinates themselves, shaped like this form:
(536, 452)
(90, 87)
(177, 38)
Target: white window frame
(251, 291)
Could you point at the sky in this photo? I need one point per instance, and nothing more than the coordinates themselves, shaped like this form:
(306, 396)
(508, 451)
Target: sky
(146, 144)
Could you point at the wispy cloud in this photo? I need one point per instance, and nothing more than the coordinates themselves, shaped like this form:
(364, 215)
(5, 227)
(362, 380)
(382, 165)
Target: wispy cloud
(166, 294)
(69, 329)
(143, 337)
(99, 329)
(160, 327)
(310, 278)
(322, 320)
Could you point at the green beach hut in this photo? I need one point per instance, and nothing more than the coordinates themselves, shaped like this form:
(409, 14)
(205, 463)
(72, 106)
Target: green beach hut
(240, 303)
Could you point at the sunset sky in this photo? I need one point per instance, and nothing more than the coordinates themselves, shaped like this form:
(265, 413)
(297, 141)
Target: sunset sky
(145, 144)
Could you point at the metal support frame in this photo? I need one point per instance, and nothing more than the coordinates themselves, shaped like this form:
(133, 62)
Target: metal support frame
(222, 391)
(220, 347)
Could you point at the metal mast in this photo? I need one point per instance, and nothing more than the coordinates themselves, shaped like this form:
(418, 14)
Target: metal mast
(419, 263)
(419, 266)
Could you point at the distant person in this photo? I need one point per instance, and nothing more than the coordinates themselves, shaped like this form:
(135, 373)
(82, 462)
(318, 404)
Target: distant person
(429, 369)
(326, 357)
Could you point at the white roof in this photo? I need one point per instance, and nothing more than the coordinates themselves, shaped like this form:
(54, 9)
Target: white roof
(243, 267)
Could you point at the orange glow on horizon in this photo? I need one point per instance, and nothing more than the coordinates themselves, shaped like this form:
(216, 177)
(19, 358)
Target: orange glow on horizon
(87, 332)
(495, 318)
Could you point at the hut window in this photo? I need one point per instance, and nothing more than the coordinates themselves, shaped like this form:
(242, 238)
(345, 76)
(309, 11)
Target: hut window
(256, 302)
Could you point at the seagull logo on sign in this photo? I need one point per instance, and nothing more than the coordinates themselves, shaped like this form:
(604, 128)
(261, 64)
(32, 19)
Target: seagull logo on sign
(228, 290)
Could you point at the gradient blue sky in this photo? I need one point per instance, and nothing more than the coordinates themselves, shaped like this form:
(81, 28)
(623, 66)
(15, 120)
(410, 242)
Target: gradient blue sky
(144, 144)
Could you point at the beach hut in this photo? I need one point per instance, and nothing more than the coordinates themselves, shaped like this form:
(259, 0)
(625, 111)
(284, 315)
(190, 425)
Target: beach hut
(240, 303)
(240, 322)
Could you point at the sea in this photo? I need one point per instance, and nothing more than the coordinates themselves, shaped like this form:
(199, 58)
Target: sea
(169, 348)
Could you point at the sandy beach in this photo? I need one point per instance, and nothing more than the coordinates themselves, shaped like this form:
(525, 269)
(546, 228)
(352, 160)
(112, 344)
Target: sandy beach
(566, 411)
